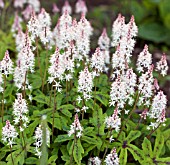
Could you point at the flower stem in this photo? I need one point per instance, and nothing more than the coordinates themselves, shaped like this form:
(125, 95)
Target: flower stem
(106, 147)
(54, 109)
(130, 114)
(148, 137)
(75, 139)
(103, 143)
(23, 140)
(2, 111)
(46, 66)
(11, 155)
(24, 91)
(39, 63)
(83, 110)
(138, 123)
(51, 93)
(67, 91)
(22, 135)
(96, 110)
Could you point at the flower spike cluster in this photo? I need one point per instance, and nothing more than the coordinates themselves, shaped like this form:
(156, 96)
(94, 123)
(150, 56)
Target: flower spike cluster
(56, 69)
(20, 112)
(97, 62)
(17, 24)
(55, 8)
(144, 60)
(6, 65)
(146, 87)
(118, 93)
(112, 158)
(39, 139)
(67, 7)
(157, 110)
(104, 44)
(85, 83)
(34, 26)
(9, 133)
(162, 65)
(25, 63)
(117, 30)
(114, 121)
(1, 4)
(1, 82)
(94, 161)
(76, 128)
(81, 7)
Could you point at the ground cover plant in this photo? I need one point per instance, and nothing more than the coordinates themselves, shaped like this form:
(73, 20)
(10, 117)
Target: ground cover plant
(61, 103)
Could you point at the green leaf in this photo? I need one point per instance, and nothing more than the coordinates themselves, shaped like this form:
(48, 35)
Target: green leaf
(89, 140)
(52, 159)
(147, 148)
(103, 98)
(153, 31)
(123, 156)
(36, 81)
(110, 111)
(42, 112)
(41, 99)
(164, 8)
(57, 123)
(8, 90)
(136, 152)
(64, 109)
(167, 20)
(69, 147)
(159, 143)
(122, 137)
(78, 151)
(64, 121)
(168, 144)
(67, 106)
(16, 155)
(102, 82)
(59, 99)
(32, 127)
(130, 125)
(163, 161)
(166, 134)
(88, 130)
(98, 121)
(88, 149)
(2, 154)
(66, 112)
(63, 138)
(90, 104)
(22, 158)
(65, 154)
(132, 136)
(138, 10)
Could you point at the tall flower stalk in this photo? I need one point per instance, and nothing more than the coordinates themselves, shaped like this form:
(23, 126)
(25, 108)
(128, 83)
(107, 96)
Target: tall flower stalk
(20, 115)
(9, 134)
(6, 68)
(76, 130)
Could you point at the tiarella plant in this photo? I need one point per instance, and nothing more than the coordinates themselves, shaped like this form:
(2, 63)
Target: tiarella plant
(76, 106)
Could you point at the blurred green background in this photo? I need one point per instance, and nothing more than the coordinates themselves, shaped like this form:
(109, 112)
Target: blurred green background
(151, 16)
